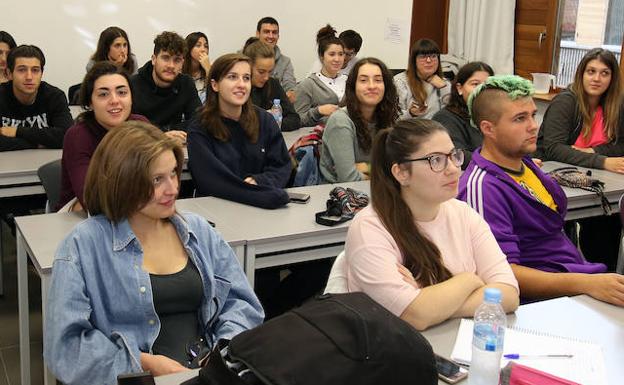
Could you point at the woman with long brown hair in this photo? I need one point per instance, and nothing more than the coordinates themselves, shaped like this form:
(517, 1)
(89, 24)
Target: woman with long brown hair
(370, 103)
(236, 150)
(196, 61)
(114, 46)
(416, 249)
(422, 88)
(584, 125)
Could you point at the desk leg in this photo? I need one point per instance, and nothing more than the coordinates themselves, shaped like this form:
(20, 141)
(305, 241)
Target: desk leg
(48, 377)
(24, 317)
(240, 255)
(1, 263)
(250, 264)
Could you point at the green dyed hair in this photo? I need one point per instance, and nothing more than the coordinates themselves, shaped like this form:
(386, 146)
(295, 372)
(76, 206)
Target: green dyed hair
(514, 86)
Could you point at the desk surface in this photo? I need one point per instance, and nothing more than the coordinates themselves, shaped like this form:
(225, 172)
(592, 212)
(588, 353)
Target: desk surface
(579, 198)
(42, 233)
(587, 319)
(295, 220)
(17, 167)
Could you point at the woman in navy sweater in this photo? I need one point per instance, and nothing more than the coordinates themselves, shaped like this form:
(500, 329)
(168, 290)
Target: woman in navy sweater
(236, 150)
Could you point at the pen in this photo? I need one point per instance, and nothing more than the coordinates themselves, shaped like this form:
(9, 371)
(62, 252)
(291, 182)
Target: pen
(516, 356)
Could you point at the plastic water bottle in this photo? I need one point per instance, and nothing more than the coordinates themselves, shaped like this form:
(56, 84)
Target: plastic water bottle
(276, 111)
(487, 340)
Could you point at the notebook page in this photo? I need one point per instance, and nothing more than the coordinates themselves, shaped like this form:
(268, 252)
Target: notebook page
(585, 367)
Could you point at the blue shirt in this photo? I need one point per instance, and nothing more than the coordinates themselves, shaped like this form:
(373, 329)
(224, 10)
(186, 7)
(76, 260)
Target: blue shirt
(100, 310)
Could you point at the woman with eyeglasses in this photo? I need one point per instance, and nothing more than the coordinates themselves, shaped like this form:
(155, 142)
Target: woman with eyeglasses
(139, 286)
(417, 250)
(422, 88)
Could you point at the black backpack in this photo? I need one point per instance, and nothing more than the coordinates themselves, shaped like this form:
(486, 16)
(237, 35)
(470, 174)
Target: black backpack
(334, 339)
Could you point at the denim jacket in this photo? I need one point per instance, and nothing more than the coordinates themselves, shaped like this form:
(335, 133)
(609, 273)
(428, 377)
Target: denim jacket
(100, 310)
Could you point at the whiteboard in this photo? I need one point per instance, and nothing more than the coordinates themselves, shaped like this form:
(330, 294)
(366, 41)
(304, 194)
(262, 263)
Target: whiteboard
(67, 30)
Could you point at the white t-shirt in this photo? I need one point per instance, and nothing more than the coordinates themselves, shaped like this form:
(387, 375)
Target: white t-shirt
(337, 84)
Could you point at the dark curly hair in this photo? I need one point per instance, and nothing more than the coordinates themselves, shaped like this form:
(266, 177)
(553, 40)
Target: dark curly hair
(169, 42)
(386, 112)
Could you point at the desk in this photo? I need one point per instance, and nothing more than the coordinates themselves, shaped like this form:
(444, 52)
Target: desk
(587, 319)
(582, 203)
(282, 236)
(38, 237)
(18, 171)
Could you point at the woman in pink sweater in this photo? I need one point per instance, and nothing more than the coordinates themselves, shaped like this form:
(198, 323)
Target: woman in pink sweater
(417, 250)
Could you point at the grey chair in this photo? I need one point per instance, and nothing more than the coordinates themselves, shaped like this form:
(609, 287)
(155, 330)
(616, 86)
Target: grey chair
(50, 176)
(619, 267)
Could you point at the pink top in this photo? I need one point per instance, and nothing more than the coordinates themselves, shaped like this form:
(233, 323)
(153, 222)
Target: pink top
(597, 135)
(463, 237)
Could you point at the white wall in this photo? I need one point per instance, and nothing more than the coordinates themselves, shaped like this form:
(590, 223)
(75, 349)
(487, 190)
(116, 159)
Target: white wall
(67, 30)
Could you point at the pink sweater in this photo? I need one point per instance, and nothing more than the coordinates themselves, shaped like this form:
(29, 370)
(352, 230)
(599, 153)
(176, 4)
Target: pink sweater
(463, 237)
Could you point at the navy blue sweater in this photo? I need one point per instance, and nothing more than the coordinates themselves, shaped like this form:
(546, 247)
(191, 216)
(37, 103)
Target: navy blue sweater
(219, 168)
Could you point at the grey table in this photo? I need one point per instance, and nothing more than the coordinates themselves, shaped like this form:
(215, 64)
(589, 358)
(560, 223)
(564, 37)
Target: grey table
(38, 237)
(582, 318)
(282, 236)
(582, 203)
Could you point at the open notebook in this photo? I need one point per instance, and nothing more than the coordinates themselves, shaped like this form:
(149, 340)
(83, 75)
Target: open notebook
(585, 367)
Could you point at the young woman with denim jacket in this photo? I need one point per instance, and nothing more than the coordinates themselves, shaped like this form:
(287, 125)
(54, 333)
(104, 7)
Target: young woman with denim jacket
(138, 285)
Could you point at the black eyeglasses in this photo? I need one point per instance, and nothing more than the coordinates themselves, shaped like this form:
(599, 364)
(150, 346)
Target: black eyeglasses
(439, 161)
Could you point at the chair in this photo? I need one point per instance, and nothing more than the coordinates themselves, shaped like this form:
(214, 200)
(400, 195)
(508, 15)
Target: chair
(619, 267)
(50, 176)
(73, 94)
(396, 71)
(337, 281)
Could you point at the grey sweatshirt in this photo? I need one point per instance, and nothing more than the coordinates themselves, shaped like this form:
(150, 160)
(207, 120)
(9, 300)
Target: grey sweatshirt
(312, 93)
(284, 71)
(340, 150)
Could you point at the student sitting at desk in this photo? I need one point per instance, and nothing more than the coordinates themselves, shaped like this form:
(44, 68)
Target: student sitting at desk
(370, 103)
(455, 117)
(416, 250)
(114, 46)
(106, 97)
(7, 43)
(318, 95)
(236, 150)
(265, 89)
(197, 62)
(33, 114)
(138, 285)
(524, 207)
(584, 125)
(422, 88)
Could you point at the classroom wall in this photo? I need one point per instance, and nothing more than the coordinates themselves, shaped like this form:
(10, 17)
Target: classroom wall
(67, 30)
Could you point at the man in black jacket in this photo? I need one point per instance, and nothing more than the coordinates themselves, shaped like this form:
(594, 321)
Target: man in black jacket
(33, 114)
(167, 97)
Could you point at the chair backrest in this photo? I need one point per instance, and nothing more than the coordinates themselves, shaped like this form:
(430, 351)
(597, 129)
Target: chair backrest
(621, 205)
(337, 281)
(73, 94)
(50, 176)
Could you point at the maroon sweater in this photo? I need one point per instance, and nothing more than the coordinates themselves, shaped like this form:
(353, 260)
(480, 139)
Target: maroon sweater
(79, 144)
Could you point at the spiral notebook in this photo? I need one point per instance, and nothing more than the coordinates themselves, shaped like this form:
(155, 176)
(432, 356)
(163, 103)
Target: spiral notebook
(586, 366)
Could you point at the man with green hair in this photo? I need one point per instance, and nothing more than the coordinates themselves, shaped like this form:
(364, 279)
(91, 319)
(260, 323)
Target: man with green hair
(524, 207)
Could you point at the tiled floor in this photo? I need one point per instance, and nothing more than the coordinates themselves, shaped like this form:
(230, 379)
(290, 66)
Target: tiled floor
(9, 319)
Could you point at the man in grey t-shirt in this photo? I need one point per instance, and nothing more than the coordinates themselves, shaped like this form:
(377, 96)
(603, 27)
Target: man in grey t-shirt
(267, 31)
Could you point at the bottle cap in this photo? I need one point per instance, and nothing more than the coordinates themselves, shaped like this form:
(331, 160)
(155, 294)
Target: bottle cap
(492, 295)
(276, 101)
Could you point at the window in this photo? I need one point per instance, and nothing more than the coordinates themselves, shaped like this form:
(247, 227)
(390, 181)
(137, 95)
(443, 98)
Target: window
(586, 24)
